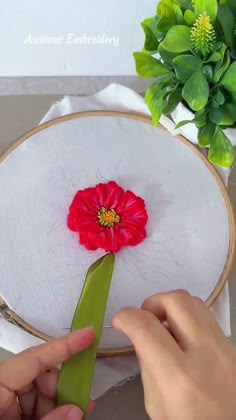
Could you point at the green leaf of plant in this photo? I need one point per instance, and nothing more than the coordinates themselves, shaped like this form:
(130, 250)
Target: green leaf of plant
(227, 22)
(208, 72)
(151, 34)
(185, 4)
(185, 66)
(178, 14)
(154, 99)
(225, 115)
(200, 118)
(209, 6)
(177, 39)
(189, 17)
(165, 8)
(205, 134)
(221, 70)
(215, 56)
(222, 49)
(233, 97)
(77, 373)
(148, 67)
(196, 91)
(229, 79)
(172, 101)
(185, 122)
(220, 99)
(164, 24)
(166, 15)
(166, 56)
(214, 103)
(232, 6)
(221, 151)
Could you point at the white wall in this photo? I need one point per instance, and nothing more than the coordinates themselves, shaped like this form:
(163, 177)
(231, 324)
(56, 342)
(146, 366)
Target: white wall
(23, 20)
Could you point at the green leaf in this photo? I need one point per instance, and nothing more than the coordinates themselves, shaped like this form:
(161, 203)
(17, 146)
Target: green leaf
(205, 134)
(154, 99)
(166, 56)
(184, 122)
(214, 103)
(229, 79)
(208, 72)
(185, 4)
(148, 67)
(232, 6)
(166, 14)
(209, 6)
(222, 49)
(215, 56)
(189, 17)
(172, 101)
(221, 150)
(227, 22)
(233, 97)
(77, 373)
(177, 39)
(200, 118)
(196, 91)
(185, 66)
(220, 99)
(225, 115)
(221, 70)
(178, 14)
(165, 8)
(151, 34)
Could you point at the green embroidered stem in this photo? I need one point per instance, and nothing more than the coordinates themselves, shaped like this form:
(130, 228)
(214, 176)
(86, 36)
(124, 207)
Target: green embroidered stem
(77, 373)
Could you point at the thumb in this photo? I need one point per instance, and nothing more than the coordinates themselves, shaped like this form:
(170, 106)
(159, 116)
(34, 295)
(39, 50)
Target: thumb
(67, 412)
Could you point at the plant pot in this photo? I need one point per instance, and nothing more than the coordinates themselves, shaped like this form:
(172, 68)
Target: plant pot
(190, 130)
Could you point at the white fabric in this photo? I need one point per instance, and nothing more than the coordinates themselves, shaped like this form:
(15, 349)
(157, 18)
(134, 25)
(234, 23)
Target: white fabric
(111, 371)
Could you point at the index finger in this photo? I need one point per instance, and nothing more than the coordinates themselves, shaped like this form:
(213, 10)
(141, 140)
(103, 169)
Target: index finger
(22, 369)
(188, 318)
(153, 344)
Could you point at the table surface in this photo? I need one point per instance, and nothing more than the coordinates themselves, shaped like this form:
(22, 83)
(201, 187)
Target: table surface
(19, 114)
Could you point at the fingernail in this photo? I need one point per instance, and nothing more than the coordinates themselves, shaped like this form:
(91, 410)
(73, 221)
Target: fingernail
(74, 414)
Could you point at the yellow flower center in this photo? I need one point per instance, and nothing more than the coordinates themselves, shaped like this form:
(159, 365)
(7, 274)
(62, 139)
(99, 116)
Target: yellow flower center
(107, 218)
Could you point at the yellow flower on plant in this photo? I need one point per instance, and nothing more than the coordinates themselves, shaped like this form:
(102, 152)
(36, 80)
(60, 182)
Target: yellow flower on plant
(203, 35)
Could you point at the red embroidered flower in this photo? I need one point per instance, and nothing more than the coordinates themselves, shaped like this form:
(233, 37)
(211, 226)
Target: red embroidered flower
(108, 217)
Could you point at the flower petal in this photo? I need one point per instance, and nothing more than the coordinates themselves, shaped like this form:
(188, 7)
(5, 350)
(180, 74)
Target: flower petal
(110, 194)
(85, 200)
(85, 241)
(127, 234)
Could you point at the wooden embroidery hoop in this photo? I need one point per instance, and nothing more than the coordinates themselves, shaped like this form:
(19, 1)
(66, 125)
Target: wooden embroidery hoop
(13, 318)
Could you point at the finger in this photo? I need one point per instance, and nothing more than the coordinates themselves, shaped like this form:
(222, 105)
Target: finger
(9, 408)
(91, 406)
(44, 406)
(47, 386)
(188, 318)
(153, 344)
(27, 402)
(20, 370)
(67, 412)
(47, 383)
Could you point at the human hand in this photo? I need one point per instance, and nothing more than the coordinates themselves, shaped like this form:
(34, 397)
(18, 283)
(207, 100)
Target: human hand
(28, 380)
(188, 367)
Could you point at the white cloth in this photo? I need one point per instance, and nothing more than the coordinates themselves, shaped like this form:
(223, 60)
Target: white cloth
(108, 371)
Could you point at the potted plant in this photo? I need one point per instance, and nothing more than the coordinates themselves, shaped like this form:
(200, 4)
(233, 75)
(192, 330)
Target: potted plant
(190, 52)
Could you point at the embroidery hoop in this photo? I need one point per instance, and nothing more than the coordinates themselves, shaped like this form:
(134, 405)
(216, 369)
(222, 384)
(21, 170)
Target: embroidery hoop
(13, 318)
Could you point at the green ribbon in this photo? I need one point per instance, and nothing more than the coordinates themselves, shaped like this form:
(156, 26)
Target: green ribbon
(77, 373)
